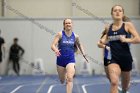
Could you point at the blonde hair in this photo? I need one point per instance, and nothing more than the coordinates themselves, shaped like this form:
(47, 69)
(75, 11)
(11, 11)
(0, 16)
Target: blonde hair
(64, 22)
(104, 33)
(125, 18)
(114, 7)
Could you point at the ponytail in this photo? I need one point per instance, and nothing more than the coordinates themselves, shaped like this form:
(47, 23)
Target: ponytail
(103, 33)
(126, 19)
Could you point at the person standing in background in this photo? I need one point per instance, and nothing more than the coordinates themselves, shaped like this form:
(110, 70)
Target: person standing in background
(2, 50)
(16, 52)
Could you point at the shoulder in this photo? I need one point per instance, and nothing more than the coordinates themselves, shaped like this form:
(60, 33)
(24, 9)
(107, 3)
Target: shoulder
(19, 46)
(59, 34)
(1, 38)
(107, 26)
(76, 35)
(128, 25)
(12, 46)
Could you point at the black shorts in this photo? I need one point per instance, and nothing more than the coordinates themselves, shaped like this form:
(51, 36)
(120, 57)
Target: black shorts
(106, 62)
(124, 65)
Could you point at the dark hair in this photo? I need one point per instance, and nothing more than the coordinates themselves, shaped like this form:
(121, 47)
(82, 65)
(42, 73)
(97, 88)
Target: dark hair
(15, 39)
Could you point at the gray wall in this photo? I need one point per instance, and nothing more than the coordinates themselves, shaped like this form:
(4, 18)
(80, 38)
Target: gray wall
(37, 41)
(64, 8)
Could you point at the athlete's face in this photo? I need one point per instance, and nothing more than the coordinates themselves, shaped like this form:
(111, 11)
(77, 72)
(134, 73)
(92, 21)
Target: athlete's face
(68, 24)
(117, 13)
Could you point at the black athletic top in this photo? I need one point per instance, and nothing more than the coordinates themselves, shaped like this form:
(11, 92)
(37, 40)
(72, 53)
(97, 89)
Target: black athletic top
(120, 51)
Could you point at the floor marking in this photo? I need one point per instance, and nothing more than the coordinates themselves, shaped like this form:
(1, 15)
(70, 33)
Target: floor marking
(16, 89)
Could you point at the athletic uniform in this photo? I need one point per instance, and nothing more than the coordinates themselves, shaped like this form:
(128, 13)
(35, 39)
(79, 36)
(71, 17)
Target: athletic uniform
(120, 51)
(67, 49)
(107, 56)
(1, 43)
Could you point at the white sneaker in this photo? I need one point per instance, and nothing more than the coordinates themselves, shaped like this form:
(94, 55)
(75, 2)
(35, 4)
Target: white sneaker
(119, 89)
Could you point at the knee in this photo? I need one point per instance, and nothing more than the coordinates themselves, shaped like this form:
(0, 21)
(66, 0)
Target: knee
(114, 82)
(62, 81)
(69, 78)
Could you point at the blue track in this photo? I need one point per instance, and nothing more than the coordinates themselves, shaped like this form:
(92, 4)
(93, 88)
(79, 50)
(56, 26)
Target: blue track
(51, 84)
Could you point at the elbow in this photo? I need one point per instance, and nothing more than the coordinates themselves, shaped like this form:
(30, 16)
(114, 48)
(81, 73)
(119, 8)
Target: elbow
(137, 40)
(23, 51)
(51, 47)
(99, 45)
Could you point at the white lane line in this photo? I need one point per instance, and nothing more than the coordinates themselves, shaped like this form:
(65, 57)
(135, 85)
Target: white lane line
(76, 83)
(135, 81)
(41, 86)
(86, 85)
(17, 88)
(51, 87)
(0, 77)
(84, 88)
(91, 84)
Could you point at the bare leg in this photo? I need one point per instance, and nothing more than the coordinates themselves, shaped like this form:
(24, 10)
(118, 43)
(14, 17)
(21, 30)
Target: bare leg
(114, 74)
(70, 73)
(125, 80)
(107, 72)
(61, 73)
